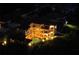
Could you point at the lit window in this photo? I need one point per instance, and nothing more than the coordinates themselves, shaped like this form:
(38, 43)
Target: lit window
(51, 26)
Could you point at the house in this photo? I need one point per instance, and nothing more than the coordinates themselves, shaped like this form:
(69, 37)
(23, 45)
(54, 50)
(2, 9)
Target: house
(40, 31)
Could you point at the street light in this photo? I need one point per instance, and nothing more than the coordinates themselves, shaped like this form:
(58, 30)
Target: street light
(4, 43)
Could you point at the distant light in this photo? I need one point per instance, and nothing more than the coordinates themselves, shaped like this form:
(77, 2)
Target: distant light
(51, 32)
(51, 26)
(66, 22)
(55, 26)
(52, 37)
(4, 43)
(29, 44)
(46, 34)
(43, 40)
(47, 39)
(55, 36)
(26, 37)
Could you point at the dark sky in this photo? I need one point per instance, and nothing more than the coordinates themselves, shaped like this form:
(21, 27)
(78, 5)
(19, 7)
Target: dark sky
(40, 11)
(9, 8)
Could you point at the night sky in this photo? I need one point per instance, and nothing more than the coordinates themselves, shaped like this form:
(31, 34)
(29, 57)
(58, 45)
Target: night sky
(37, 11)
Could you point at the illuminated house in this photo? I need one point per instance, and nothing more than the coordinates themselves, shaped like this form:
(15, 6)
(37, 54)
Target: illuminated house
(40, 31)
